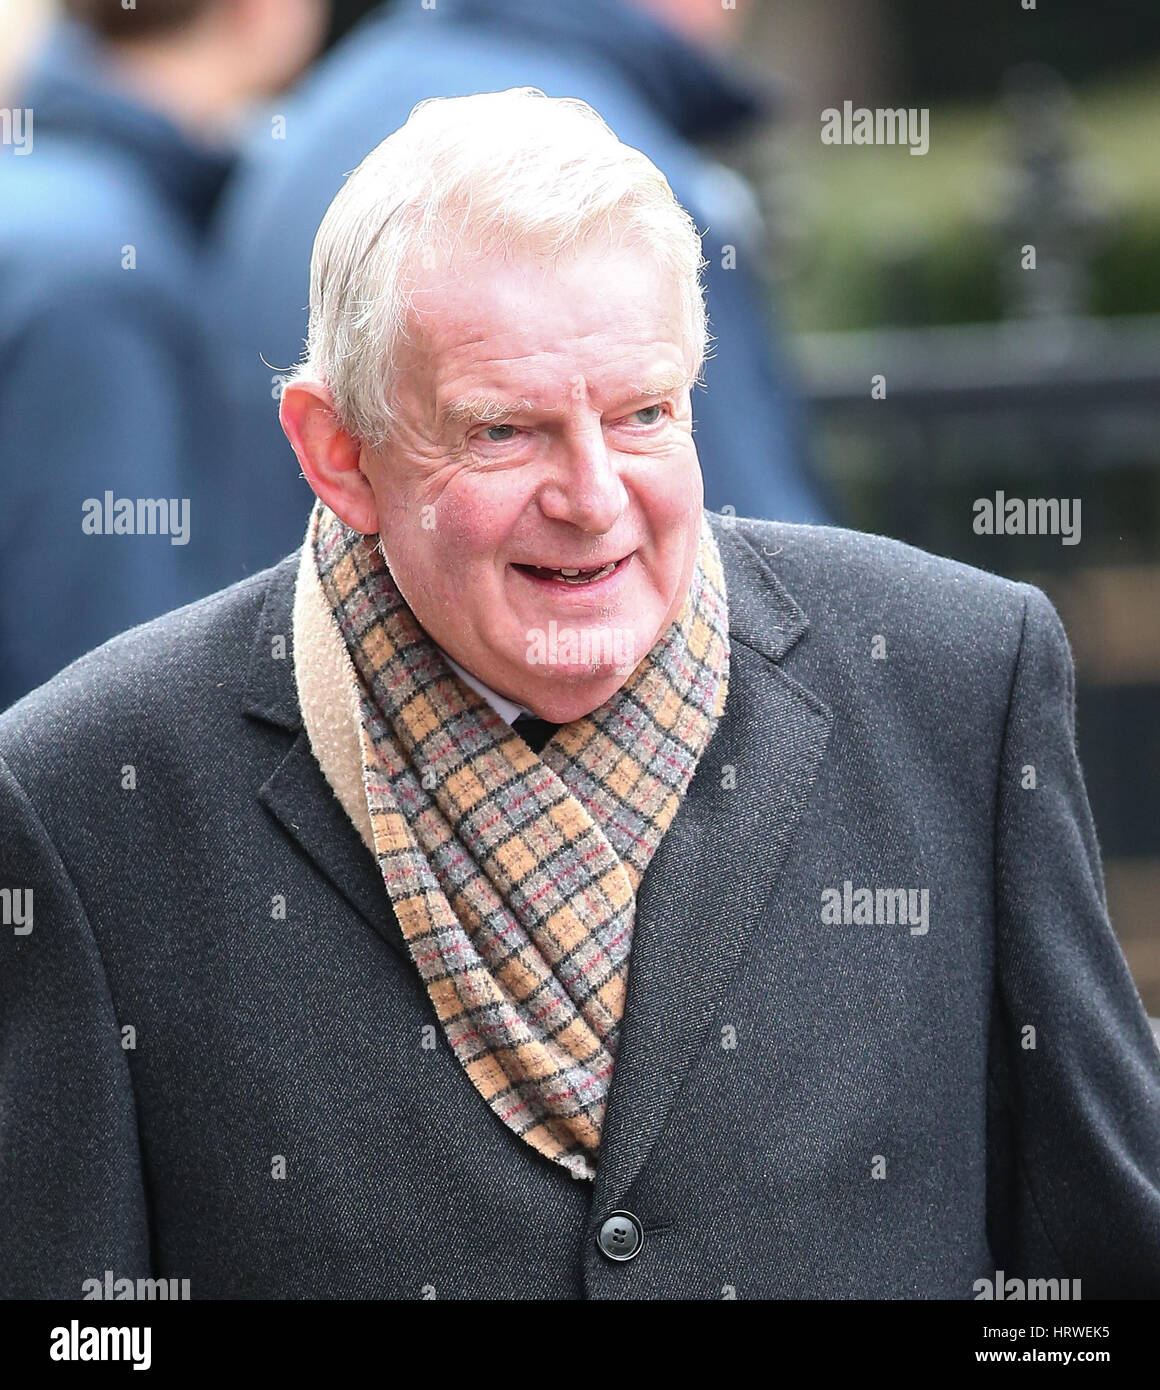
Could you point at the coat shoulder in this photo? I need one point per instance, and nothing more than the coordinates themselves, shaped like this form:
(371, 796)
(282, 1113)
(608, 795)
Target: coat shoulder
(175, 678)
(844, 580)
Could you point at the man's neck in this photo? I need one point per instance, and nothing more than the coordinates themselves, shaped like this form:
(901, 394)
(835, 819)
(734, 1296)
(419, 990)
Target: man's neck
(508, 710)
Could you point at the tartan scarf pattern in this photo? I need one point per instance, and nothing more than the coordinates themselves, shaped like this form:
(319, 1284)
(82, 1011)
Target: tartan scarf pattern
(513, 875)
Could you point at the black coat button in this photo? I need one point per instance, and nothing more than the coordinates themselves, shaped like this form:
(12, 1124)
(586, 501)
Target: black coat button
(621, 1236)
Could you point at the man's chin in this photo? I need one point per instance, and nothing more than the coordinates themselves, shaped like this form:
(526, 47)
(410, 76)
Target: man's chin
(567, 703)
(566, 684)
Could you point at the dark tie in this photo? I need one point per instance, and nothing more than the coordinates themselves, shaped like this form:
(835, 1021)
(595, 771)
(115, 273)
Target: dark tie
(535, 732)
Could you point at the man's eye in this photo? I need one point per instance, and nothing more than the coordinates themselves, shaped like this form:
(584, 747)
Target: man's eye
(653, 411)
(499, 434)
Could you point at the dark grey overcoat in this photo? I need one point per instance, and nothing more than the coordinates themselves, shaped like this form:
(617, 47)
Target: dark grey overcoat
(812, 1097)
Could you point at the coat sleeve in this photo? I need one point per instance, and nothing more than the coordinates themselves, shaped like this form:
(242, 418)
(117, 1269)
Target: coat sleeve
(1074, 1070)
(72, 1203)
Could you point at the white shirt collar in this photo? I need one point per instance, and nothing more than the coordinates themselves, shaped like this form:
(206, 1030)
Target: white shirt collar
(507, 710)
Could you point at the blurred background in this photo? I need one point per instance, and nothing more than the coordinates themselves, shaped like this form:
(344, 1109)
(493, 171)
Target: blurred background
(830, 266)
(1044, 131)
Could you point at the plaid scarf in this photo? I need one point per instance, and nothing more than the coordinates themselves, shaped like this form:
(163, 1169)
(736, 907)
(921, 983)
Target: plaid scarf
(513, 875)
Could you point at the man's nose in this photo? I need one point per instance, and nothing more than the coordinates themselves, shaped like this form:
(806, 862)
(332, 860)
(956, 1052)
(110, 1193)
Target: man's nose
(586, 489)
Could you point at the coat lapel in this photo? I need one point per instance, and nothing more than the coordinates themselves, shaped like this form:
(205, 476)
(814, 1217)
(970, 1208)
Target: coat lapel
(296, 792)
(299, 796)
(702, 896)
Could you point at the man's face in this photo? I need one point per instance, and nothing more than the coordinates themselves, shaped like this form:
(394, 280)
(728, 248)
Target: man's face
(592, 464)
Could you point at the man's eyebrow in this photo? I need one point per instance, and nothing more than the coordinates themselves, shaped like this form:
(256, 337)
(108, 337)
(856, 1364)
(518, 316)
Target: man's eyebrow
(662, 383)
(491, 410)
(483, 410)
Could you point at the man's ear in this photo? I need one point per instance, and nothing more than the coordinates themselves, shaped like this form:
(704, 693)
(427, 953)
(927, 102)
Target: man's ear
(329, 455)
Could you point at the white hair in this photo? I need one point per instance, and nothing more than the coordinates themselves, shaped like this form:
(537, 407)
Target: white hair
(499, 172)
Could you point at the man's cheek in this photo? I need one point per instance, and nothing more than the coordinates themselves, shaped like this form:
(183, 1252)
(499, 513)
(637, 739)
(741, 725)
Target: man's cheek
(676, 488)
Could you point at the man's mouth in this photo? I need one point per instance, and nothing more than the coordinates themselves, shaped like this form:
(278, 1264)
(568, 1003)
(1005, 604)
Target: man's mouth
(572, 576)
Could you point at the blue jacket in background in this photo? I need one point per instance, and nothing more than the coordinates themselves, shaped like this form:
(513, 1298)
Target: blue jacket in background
(107, 384)
(656, 91)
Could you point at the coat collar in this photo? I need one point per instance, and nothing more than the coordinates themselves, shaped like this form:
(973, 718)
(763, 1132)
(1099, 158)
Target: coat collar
(296, 791)
(728, 844)
(762, 614)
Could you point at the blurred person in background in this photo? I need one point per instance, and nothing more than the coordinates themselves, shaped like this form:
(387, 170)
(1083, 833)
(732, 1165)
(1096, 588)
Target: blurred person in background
(659, 74)
(21, 24)
(109, 389)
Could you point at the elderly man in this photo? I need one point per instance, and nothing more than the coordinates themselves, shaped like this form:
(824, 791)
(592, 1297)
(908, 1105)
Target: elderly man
(539, 887)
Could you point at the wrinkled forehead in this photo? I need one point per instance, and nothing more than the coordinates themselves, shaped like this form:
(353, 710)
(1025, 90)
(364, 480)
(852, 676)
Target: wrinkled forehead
(594, 318)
